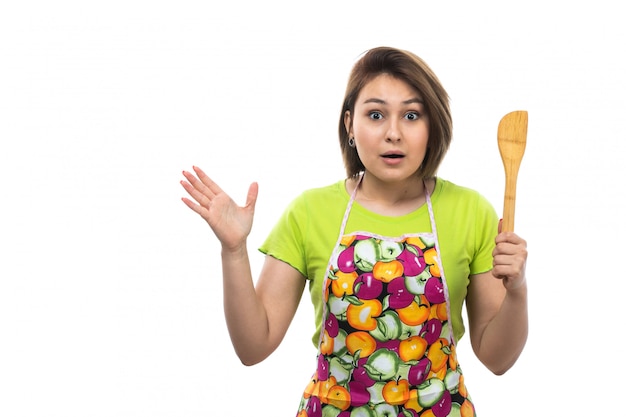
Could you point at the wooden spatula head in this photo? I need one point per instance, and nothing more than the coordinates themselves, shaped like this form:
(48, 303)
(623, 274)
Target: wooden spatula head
(512, 131)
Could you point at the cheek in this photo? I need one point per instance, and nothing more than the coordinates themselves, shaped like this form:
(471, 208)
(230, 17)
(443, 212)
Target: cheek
(366, 141)
(367, 132)
(420, 135)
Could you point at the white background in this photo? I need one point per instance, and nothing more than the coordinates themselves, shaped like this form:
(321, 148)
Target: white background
(110, 288)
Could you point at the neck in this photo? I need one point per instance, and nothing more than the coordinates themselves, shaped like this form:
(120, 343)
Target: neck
(392, 199)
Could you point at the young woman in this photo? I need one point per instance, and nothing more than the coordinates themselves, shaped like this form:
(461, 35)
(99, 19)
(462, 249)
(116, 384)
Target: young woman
(390, 255)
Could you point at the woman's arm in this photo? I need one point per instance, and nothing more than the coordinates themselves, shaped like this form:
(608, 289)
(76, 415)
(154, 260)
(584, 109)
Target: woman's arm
(257, 316)
(497, 306)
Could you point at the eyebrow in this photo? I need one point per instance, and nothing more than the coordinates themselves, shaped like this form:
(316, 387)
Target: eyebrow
(409, 101)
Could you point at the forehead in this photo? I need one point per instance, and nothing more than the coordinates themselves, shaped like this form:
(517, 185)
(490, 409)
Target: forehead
(387, 88)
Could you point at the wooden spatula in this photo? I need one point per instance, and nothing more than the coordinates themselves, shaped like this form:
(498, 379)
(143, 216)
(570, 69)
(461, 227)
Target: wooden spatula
(512, 143)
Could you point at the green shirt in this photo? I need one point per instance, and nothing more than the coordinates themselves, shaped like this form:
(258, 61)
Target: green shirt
(306, 233)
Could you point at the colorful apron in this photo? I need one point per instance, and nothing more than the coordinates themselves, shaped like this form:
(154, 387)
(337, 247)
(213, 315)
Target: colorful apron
(386, 347)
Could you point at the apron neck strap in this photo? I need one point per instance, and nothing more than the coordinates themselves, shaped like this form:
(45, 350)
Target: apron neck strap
(353, 197)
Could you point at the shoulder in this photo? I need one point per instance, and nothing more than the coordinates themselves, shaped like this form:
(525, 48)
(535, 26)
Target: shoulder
(450, 188)
(469, 223)
(315, 204)
(461, 204)
(322, 197)
(308, 211)
(447, 191)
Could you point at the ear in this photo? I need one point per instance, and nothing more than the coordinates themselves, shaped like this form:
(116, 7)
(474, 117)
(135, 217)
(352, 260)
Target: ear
(347, 122)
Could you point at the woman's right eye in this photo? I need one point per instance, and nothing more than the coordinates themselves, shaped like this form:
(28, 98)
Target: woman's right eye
(375, 115)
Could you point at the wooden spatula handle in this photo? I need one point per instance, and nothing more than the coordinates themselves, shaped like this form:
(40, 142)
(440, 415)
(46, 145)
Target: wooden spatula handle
(508, 215)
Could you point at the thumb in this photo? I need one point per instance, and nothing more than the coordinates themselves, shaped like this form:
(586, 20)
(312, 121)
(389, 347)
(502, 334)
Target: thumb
(253, 193)
(500, 226)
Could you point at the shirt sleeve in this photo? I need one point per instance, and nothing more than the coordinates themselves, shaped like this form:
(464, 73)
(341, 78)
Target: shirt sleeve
(485, 234)
(285, 241)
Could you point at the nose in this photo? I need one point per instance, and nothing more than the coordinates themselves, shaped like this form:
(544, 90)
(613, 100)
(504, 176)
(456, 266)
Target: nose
(393, 131)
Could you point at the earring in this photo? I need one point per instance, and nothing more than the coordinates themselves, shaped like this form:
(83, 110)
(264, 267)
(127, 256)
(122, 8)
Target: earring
(351, 142)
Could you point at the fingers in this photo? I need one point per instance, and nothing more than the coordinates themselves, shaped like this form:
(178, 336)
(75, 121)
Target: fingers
(197, 191)
(200, 187)
(508, 266)
(253, 193)
(211, 186)
(202, 207)
(509, 237)
(201, 182)
(202, 211)
(509, 258)
(207, 193)
(509, 251)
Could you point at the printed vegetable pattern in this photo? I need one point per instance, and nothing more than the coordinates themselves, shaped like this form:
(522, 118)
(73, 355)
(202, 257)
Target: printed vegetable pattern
(386, 347)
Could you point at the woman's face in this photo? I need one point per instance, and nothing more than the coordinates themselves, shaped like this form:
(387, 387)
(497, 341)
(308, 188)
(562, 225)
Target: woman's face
(390, 129)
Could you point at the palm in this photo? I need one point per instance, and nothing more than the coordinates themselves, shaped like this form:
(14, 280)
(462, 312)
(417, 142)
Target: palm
(230, 223)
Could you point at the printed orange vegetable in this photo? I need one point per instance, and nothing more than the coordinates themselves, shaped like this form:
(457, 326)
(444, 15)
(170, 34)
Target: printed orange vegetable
(328, 344)
(302, 413)
(339, 397)
(387, 271)
(428, 413)
(438, 354)
(396, 392)
(415, 241)
(412, 402)
(360, 341)
(431, 258)
(452, 359)
(412, 348)
(467, 409)
(363, 316)
(347, 240)
(415, 313)
(440, 374)
(439, 311)
(325, 387)
(343, 284)
(462, 387)
(312, 387)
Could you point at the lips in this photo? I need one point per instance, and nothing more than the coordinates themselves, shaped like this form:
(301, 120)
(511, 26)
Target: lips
(393, 155)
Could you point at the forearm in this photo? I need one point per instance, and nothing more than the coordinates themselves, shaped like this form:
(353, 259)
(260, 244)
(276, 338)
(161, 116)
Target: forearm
(504, 337)
(245, 314)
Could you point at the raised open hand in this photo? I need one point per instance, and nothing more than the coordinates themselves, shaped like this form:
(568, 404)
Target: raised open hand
(230, 223)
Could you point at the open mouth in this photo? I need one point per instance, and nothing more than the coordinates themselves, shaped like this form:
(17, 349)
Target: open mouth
(393, 156)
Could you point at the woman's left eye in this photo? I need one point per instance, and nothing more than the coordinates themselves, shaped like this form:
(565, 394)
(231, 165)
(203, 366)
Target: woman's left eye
(412, 115)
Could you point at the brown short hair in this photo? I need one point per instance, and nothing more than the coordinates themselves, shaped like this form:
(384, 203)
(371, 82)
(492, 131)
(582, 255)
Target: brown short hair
(410, 68)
